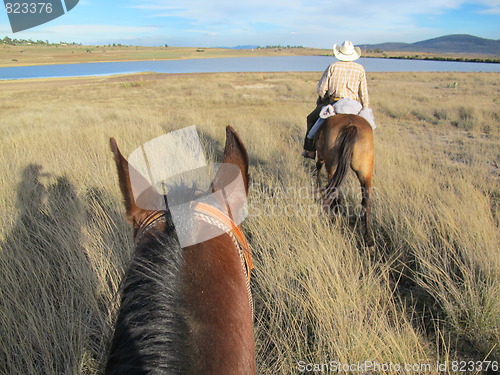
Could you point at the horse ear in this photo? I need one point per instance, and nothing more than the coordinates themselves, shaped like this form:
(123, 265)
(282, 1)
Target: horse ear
(122, 168)
(234, 153)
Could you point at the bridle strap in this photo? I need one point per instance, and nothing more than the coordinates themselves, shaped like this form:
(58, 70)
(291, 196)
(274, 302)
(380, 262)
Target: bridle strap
(213, 216)
(232, 229)
(218, 218)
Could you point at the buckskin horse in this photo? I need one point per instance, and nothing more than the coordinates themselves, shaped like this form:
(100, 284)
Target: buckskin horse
(346, 140)
(184, 310)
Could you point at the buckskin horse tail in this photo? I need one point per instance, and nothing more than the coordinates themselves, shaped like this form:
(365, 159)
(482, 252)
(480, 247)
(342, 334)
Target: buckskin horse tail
(344, 146)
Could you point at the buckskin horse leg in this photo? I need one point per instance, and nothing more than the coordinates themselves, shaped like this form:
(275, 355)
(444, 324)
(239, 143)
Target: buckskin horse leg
(319, 165)
(366, 187)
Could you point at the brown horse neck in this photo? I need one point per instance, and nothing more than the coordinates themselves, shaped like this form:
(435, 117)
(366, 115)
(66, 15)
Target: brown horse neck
(219, 310)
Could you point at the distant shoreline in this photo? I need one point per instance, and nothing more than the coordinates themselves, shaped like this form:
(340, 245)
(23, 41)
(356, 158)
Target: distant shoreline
(428, 57)
(493, 60)
(447, 59)
(25, 55)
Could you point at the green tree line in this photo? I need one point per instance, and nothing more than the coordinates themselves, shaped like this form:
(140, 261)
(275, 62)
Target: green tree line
(20, 42)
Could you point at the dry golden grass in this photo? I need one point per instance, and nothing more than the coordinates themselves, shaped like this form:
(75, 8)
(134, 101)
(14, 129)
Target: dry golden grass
(428, 292)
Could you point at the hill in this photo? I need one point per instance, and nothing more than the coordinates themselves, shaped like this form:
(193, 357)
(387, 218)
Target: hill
(458, 43)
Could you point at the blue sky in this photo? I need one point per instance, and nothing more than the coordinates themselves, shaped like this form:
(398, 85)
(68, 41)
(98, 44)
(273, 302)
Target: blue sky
(216, 23)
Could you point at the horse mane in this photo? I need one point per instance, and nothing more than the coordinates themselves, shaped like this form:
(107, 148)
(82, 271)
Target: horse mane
(151, 315)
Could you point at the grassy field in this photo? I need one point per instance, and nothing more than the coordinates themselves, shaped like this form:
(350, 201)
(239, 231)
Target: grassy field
(427, 293)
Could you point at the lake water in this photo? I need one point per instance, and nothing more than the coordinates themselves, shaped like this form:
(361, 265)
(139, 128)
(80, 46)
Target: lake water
(238, 64)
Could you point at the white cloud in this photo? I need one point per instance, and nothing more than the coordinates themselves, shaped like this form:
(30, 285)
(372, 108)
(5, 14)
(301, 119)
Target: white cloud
(96, 29)
(205, 32)
(491, 7)
(325, 19)
(93, 34)
(284, 11)
(323, 16)
(317, 23)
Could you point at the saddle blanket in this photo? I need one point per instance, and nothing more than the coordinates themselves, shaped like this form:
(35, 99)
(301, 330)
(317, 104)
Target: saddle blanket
(344, 106)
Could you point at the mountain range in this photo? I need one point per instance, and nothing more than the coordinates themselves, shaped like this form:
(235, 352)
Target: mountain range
(457, 43)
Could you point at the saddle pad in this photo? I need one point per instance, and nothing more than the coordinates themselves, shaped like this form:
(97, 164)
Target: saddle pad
(347, 106)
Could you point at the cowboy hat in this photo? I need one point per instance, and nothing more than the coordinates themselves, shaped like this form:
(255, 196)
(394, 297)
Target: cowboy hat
(347, 51)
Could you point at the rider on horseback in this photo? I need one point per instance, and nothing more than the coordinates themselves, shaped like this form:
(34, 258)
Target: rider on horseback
(343, 79)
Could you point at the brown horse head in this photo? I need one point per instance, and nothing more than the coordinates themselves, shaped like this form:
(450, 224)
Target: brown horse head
(186, 310)
(234, 153)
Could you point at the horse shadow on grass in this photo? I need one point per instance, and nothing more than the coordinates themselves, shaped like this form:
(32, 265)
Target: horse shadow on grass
(51, 301)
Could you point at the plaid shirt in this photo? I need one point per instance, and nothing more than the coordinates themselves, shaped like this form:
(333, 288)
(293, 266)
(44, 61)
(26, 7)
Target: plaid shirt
(344, 79)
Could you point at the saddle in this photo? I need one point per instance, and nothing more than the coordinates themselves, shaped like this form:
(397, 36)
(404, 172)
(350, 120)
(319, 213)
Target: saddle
(342, 106)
